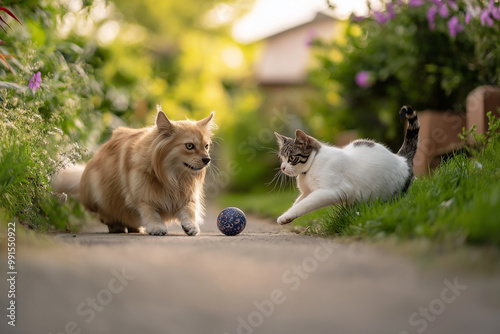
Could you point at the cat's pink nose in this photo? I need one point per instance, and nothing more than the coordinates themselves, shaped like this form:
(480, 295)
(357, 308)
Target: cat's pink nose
(282, 168)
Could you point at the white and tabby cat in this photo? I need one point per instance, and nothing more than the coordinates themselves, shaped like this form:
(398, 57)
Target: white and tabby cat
(361, 171)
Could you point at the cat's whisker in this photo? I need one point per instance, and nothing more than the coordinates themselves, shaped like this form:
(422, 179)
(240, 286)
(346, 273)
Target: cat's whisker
(215, 145)
(275, 179)
(214, 171)
(284, 182)
(271, 150)
(215, 139)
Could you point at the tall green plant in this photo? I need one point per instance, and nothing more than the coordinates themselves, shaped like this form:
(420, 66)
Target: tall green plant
(43, 109)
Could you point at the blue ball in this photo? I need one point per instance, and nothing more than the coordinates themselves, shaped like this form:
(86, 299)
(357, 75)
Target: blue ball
(231, 221)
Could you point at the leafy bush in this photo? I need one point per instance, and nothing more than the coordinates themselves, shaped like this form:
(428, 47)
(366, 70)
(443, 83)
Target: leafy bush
(426, 53)
(45, 111)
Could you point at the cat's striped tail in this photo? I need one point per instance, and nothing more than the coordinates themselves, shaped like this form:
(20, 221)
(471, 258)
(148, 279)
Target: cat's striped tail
(410, 143)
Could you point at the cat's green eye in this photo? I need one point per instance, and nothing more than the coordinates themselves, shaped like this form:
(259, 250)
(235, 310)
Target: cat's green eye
(293, 159)
(190, 146)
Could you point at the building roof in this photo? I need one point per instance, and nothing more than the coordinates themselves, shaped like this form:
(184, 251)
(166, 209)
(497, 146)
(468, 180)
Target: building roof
(272, 29)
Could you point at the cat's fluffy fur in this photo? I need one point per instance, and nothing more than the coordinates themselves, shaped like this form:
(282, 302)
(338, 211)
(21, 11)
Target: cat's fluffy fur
(146, 177)
(361, 171)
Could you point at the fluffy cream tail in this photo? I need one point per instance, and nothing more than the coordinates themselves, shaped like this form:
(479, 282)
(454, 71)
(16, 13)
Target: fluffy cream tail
(68, 180)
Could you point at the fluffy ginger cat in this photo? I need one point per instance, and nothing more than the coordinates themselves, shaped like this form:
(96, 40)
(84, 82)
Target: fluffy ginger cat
(146, 177)
(360, 171)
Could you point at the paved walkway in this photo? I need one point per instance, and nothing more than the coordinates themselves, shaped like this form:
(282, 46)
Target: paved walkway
(266, 280)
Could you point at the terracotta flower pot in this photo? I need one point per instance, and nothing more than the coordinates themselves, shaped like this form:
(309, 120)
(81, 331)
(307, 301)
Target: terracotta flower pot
(438, 135)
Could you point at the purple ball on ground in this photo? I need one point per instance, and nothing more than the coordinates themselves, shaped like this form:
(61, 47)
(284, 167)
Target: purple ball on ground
(231, 221)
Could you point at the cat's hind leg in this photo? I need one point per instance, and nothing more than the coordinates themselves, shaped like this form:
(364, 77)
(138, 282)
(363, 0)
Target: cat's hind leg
(116, 227)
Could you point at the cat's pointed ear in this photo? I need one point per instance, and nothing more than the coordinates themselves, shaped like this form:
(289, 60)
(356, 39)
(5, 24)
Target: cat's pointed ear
(204, 122)
(163, 123)
(301, 138)
(281, 139)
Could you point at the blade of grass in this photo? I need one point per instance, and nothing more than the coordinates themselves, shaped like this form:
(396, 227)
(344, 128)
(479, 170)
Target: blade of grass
(5, 22)
(11, 14)
(3, 57)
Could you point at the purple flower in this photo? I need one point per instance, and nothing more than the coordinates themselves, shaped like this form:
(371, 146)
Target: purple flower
(444, 11)
(363, 79)
(486, 18)
(492, 4)
(467, 18)
(431, 15)
(35, 80)
(356, 18)
(416, 3)
(390, 10)
(495, 12)
(454, 26)
(380, 17)
(453, 5)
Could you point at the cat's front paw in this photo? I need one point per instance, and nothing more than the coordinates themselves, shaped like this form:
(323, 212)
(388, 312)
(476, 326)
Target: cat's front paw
(285, 219)
(158, 229)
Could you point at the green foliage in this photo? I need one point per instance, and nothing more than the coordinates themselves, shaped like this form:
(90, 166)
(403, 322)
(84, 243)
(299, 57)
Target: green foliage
(41, 127)
(28, 157)
(460, 202)
(491, 136)
(407, 63)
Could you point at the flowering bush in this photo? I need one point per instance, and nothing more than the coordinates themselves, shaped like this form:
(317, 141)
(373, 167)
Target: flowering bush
(427, 53)
(44, 104)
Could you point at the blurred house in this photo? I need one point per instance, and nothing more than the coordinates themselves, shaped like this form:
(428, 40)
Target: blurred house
(282, 67)
(286, 55)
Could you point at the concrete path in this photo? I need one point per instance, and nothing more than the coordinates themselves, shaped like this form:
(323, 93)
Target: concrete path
(266, 280)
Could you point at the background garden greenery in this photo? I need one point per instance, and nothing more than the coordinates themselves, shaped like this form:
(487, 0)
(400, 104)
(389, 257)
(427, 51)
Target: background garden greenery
(410, 57)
